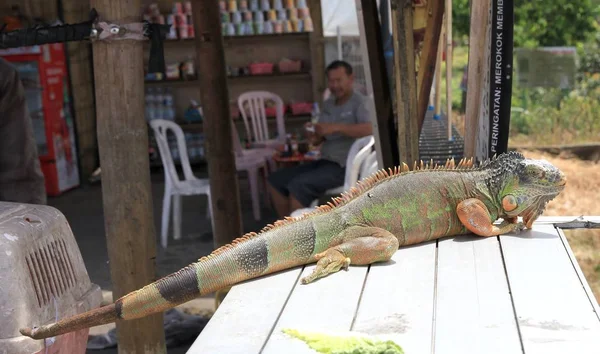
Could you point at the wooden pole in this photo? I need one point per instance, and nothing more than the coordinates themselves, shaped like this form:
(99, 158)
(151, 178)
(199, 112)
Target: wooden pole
(406, 82)
(438, 79)
(429, 61)
(214, 96)
(378, 86)
(449, 66)
(317, 51)
(126, 193)
(477, 64)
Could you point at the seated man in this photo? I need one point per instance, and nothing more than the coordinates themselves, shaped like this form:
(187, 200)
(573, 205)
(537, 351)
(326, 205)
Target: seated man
(344, 118)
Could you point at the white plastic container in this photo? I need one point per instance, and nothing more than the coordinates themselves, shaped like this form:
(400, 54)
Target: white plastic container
(43, 279)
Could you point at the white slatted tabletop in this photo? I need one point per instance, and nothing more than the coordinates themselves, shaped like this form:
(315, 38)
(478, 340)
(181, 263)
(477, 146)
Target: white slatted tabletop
(520, 293)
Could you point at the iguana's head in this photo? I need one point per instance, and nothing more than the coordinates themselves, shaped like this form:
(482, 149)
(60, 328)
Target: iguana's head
(526, 185)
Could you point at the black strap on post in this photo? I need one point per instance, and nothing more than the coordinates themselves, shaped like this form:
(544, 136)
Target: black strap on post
(87, 30)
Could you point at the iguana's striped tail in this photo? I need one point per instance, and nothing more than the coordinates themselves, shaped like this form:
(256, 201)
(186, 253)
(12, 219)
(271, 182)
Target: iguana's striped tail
(248, 257)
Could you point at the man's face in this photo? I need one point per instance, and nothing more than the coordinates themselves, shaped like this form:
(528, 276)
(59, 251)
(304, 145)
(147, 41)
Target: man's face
(339, 82)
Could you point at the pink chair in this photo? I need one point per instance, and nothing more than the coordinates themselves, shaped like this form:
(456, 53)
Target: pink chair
(248, 160)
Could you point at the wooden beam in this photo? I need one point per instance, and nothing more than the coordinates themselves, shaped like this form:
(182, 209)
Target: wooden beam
(79, 63)
(317, 49)
(214, 97)
(378, 86)
(427, 65)
(438, 79)
(475, 72)
(406, 82)
(126, 192)
(449, 67)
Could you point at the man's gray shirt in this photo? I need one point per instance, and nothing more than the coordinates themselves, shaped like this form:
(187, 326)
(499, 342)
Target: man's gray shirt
(354, 111)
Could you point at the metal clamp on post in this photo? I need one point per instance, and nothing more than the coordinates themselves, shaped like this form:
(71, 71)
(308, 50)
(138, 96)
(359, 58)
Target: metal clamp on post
(109, 31)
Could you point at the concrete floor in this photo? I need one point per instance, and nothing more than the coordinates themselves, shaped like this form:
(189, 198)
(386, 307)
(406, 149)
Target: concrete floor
(83, 209)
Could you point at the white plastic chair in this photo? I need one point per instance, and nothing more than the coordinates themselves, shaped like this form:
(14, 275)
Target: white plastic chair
(360, 150)
(357, 153)
(247, 160)
(174, 186)
(369, 165)
(252, 105)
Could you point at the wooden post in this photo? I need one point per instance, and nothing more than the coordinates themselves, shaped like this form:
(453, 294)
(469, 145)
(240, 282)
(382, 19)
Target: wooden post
(429, 63)
(406, 82)
(449, 67)
(438, 79)
(214, 97)
(475, 70)
(378, 87)
(317, 50)
(126, 192)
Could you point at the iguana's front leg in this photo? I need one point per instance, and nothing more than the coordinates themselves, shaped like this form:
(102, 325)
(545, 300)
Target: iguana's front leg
(476, 218)
(361, 245)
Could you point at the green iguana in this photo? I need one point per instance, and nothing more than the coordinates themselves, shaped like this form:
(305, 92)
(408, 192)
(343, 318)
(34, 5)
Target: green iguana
(367, 224)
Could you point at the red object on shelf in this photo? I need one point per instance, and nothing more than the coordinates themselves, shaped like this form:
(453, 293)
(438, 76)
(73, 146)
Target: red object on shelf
(260, 68)
(44, 74)
(301, 108)
(271, 111)
(290, 66)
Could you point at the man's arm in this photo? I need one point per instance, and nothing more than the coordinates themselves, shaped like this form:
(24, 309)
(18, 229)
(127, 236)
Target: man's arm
(362, 127)
(21, 179)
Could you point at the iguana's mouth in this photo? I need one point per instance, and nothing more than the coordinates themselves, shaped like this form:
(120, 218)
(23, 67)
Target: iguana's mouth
(531, 214)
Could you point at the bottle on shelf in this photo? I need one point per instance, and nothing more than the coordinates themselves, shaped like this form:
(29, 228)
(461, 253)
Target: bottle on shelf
(294, 144)
(287, 150)
(149, 98)
(168, 109)
(159, 103)
(314, 114)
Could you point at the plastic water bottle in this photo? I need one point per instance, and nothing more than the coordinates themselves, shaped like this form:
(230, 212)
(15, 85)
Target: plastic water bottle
(314, 117)
(168, 110)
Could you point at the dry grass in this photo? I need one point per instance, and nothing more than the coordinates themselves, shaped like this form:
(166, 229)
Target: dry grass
(580, 197)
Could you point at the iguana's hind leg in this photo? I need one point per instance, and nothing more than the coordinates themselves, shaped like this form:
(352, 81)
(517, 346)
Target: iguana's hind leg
(476, 218)
(360, 245)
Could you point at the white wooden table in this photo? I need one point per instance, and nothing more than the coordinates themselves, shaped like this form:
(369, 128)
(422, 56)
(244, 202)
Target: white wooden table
(513, 294)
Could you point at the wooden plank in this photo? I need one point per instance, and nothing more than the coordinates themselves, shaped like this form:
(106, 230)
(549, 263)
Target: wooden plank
(378, 86)
(328, 304)
(214, 93)
(480, 11)
(575, 263)
(79, 64)
(565, 218)
(405, 81)
(126, 187)
(429, 59)
(317, 51)
(473, 297)
(244, 320)
(398, 298)
(552, 307)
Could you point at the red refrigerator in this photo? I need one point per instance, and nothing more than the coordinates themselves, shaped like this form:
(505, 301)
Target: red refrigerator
(44, 74)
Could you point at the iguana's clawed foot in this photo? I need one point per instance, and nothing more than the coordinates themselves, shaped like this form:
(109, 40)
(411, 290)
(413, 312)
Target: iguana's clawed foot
(329, 262)
(361, 244)
(511, 226)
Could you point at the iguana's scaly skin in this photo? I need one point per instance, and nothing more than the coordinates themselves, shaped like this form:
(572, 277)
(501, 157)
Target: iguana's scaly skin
(364, 225)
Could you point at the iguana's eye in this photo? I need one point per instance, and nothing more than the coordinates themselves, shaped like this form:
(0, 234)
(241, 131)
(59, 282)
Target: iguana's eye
(509, 203)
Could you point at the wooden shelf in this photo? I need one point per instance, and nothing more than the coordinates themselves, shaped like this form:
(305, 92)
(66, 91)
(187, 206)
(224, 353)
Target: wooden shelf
(197, 127)
(251, 37)
(194, 83)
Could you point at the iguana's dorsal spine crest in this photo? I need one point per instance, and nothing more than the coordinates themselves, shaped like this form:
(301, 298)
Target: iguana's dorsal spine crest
(367, 183)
